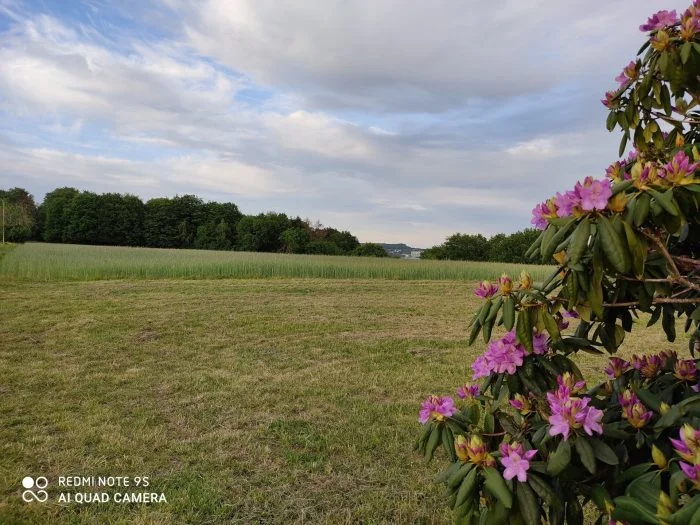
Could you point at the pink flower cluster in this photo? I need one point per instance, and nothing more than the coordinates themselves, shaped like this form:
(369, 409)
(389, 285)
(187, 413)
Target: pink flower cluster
(633, 410)
(468, 391)
(628, 74)
(570, 412)
(588, 196)
(503, 355)
(648, 365)
(486, 289)
(617, 367)
(688, 448)
(686, 370)
(516, 461)
(679, 168)
(436, 408)
(660, 20)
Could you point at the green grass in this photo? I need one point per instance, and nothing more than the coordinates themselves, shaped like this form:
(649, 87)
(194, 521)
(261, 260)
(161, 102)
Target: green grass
(65, 262)
(244, 401)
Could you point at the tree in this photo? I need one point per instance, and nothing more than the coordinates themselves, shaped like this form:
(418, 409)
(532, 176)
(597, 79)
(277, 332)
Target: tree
(212, 236)
(370, 249)
(20, 214)
(323, 247)
(81, 219)
(52, 213)
(120, 220)
(261, 233)
(511, 248)
(295, 240)
(532, 440)
(465, 247)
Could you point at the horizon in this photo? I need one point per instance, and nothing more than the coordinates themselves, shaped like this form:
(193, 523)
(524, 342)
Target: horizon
(370, 118)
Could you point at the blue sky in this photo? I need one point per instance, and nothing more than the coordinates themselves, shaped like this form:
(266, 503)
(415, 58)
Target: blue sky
(402, 122)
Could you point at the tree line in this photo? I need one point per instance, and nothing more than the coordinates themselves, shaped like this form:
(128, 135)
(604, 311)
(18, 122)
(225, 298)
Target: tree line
(68, 215)
(502, 247)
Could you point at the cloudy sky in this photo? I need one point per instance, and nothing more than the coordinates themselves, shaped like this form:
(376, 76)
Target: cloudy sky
(401, 121)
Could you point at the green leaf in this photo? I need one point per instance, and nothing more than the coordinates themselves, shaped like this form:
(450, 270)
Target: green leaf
(629, 509)
(611, 122)
(668, 322)
(449, 471)
(559, 459)
(497, 486)
(579, 241)
(614, 250)
(585, 453)
(665, 201)
(669, 418)
(641, 209)
(466, 488)
(623, 144)
(433, 442)
(633, 473)
(459, 474)
(528, 505)
(689, 512)
(542, 488)
(523, 330)
(550, 324)
(685, 51)
(508, 313)
(603, 452)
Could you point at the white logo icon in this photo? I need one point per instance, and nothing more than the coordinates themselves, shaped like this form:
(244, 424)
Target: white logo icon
(30, 495)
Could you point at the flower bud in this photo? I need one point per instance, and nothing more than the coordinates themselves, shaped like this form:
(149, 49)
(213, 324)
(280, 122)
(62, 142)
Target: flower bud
(663, 408)
(664, 507)
(659, 457)
(525, 280)
(506, 284)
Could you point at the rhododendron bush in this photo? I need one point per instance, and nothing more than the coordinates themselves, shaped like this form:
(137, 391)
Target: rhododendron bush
(529, 439)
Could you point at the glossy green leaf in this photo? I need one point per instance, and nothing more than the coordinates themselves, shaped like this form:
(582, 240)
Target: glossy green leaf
(497, 486)
(559, 459)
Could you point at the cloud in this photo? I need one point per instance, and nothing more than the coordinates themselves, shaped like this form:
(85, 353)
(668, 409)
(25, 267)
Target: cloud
(429, 57)
(399, 124)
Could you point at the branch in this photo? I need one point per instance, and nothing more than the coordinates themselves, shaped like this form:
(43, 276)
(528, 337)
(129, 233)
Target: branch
(658, 300)
(673, 269)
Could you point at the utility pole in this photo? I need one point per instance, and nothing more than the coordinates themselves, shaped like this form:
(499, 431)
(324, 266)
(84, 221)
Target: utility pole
(3, 221)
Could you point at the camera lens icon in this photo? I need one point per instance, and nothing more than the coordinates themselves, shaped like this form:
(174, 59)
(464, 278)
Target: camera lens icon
(39, 483)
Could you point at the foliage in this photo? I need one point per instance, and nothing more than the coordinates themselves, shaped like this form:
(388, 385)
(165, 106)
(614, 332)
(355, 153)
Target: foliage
(370, 249)
(533, 440)
(20, 214)
(500, 248)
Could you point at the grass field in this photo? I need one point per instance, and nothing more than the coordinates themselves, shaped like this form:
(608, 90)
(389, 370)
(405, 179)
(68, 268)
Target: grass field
(52, 262)
(245, 401)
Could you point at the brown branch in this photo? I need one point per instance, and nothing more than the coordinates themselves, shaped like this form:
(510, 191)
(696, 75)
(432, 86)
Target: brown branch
(658, 300)
(686, 260)
(673, 269)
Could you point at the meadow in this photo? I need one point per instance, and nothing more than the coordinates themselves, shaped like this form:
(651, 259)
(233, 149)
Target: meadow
(69, 262)
(279, 400)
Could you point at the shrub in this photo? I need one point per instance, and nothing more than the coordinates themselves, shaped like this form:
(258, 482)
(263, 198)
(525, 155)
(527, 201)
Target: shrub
(533, 439)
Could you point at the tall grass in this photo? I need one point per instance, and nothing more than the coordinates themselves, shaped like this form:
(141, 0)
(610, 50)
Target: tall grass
(67, 262)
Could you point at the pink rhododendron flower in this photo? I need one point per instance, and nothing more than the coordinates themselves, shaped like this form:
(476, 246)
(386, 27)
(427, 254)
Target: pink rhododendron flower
(486, 289)
(473, 449)
(679, 168)
(660, 20)
(542, 212)
(629, 73)
(637, 414)
(437, 408)
(688, 444)
(572, 413)
(692, 472)
(468, 391)
(568, 381)
(649, 366)
(616, 368)
(539, 343)
(685, 370)
(609, 100)
(516, 461)
(594, 194)
(480, 367)
(521, 403)
(566, 202)
(690, 24)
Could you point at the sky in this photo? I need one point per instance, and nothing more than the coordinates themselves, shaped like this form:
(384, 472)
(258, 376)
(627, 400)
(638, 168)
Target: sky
(399, 121)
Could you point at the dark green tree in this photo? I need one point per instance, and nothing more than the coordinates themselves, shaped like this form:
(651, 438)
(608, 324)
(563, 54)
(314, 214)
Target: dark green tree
(295, 240)
(20, 214)
(370, 249)
(82, 217)
(52, 213)
(261, 233)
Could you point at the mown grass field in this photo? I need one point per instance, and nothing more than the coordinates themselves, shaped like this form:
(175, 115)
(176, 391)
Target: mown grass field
(244, 400)
(52, 262)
